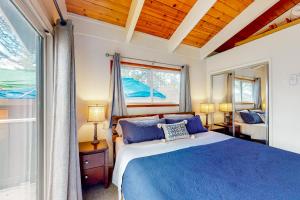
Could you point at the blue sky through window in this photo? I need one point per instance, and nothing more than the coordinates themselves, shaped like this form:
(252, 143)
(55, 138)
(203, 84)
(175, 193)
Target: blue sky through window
(17, 60)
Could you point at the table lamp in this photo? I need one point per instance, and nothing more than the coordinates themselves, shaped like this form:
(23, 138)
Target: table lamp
(96, 115)
(226, 108)
(207, 108)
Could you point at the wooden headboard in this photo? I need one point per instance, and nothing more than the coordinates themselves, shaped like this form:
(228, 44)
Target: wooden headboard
(115, 119)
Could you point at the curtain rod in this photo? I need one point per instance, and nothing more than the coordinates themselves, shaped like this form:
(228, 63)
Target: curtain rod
(153, 62)
(62, 20)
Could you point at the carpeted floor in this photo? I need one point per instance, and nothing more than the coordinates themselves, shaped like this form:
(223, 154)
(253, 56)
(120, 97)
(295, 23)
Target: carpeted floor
(98, 192)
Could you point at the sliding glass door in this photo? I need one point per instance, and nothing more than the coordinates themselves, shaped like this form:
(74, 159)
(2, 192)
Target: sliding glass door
(20, 67)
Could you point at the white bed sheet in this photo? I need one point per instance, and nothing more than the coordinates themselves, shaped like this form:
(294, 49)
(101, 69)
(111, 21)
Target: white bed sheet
(255, 131)
(127, 152)
(119, 144)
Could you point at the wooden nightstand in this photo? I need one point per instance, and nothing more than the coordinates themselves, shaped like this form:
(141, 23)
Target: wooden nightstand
(226, 129)
(94, 163)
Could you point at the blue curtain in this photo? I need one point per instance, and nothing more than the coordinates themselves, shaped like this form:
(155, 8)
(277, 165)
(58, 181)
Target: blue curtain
(185, 102)
(64, 178)
(118, 105)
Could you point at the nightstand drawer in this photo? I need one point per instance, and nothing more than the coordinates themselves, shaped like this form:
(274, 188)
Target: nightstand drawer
(93, 160)
(93, 176)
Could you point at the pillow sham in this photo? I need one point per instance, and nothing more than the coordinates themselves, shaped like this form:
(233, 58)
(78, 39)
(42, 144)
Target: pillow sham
(251, 117)
(141, 131)
(178, 116)
(133, 119)
(175, 131)
(238, 118)
(193, 126)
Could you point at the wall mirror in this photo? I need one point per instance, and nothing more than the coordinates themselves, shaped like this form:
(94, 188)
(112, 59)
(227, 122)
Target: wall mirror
(241, 99)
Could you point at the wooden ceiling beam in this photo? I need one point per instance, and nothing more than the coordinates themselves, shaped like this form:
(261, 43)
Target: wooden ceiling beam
(253, 11)
(277, 10)
(133, 16)
(199, 9)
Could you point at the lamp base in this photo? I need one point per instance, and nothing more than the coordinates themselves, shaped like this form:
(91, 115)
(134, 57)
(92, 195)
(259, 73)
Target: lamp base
(95, 142)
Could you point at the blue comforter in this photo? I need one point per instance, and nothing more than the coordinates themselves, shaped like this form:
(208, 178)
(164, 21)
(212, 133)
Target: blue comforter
(232, 169)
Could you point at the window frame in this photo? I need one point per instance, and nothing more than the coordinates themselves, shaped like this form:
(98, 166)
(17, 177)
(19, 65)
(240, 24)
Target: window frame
(241, 89)
(44, 30)
(151, 67)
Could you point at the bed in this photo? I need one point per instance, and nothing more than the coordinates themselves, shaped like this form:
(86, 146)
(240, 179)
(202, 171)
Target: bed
(255, 131)
(208, 166)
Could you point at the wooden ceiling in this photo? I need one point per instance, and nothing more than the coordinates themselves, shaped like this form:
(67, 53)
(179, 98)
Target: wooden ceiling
(274, 12)
(110, 11)
(221, 14)
(161, 18)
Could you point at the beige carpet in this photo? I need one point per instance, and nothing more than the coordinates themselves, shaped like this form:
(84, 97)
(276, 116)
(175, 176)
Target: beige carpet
(98, 192)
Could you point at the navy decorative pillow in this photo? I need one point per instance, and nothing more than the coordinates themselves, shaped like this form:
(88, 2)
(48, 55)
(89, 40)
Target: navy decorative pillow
(141, 131)
(256, 117)
(251, 117)
(193, 126)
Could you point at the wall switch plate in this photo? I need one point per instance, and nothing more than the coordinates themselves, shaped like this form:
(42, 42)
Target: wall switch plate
(293, 80)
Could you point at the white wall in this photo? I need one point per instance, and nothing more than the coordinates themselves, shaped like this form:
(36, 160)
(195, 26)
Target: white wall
(281, 49)
(93, 39)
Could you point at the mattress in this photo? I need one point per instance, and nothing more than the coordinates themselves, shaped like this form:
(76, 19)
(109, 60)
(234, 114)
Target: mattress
(255, 131)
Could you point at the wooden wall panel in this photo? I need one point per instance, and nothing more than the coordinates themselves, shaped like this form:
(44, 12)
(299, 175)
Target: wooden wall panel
(221, 14)
(162, 17)
(274, 12)
(110, 11)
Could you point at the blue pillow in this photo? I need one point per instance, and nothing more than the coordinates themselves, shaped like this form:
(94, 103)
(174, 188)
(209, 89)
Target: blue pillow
(141, 131)
(193, 126)
(251, 117)
(256, 117)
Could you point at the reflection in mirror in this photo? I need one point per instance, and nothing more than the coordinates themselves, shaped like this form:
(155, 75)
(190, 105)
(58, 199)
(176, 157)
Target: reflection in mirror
(250, 100)
(241, 100)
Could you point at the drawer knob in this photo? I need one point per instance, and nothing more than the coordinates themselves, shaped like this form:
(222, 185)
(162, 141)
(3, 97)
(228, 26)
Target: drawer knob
(86, 162)
(86, 177)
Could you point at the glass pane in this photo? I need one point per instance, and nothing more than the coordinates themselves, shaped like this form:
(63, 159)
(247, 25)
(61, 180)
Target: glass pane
(20, 58)
(247, 95)
(136, 84)
(166, 85)
(237, 91)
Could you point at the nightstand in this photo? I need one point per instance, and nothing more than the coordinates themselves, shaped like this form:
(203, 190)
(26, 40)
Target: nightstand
(226, 129)
(94, 163)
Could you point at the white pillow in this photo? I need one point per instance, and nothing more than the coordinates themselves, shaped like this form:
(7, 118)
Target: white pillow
(175, 131)
(257, 110)
(178, 116)
(238, 118)
(133, 119)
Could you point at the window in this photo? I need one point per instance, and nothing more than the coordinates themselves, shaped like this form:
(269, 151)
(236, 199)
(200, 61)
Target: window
(150, 86)
(20, 63)
(243, 91)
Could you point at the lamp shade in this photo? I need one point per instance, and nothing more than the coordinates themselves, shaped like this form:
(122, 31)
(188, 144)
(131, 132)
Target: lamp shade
(96, 113)
(225, 107)
(207, 107)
